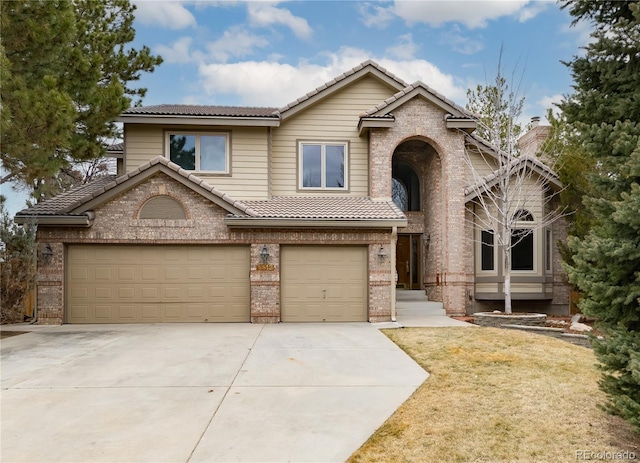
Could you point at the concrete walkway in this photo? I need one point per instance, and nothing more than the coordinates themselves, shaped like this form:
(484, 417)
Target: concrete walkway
(413, 309)
(198, 392)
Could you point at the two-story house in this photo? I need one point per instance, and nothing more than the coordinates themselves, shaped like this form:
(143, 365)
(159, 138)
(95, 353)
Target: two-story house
(316, 211)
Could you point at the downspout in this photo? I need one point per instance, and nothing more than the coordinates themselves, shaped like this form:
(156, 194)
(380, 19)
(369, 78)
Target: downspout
(392, 263)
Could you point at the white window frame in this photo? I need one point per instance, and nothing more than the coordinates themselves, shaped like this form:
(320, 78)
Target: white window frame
(494, 247)
(323, 166)
(548, 251)
(198, 134)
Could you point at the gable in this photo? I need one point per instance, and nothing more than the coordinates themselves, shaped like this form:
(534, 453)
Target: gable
(368, 69)
(334, 118)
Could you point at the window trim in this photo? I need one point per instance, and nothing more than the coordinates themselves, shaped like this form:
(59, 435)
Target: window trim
(323, 144)
(548, 251)
(493, 253)
(198, 133)
(534, 247)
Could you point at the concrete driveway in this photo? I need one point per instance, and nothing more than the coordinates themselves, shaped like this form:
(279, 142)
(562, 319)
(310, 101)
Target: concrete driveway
(198, 392)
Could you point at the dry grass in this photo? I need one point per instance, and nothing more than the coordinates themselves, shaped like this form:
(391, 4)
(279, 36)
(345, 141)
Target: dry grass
(497, 396)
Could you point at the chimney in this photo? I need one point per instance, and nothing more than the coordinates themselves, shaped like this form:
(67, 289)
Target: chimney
(531, 142)
(535, 121)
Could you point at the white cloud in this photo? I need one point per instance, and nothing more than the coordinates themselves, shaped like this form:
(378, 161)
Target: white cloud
(405, 49)
(178, 52)
(549, 102)
(266, 14)
(459, 43)
(268, 83)
(235, 42)
(472, 13)
(373, 15)
(169, 15)
(532, 10)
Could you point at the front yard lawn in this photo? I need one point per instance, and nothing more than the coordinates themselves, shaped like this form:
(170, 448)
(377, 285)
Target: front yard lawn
(498, 396)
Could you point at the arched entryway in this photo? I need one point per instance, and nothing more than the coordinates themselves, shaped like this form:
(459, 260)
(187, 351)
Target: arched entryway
(416, 190)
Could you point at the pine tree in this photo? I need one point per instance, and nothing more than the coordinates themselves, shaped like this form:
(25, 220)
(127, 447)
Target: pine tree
(605, 111)
(66, 73)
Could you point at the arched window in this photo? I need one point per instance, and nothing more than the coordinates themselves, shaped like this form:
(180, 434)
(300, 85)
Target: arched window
(403, 174)
(162, 207)
(399, 195)
(523, 215)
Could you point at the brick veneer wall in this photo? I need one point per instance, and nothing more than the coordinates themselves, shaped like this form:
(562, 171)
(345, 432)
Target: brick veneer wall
(419, 119)
(116, 223)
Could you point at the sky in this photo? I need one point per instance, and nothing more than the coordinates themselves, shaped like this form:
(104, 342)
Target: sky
(269, 53)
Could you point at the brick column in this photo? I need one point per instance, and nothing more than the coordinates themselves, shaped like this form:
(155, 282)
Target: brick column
(50, 284)
(265, 284)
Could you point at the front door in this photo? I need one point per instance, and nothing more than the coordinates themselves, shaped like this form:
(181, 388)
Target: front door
(408, 260)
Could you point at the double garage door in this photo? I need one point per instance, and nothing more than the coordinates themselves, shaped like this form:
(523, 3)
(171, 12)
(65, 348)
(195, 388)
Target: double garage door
(174, 283)
(147, 284)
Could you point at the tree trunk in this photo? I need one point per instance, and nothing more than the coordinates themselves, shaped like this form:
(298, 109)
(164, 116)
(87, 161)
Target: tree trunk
(507, 282)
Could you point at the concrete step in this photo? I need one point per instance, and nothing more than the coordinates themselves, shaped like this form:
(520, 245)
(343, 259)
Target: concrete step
(415, 303)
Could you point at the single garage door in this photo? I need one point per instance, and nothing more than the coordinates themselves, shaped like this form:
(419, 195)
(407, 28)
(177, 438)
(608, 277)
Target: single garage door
(324, 283)
(149, 284)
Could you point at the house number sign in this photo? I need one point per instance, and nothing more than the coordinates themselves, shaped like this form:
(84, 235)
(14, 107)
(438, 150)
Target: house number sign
(265, 267)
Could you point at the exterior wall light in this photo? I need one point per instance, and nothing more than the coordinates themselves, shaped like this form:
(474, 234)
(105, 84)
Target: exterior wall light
(264, 255)
(46, 254)
(382, 254)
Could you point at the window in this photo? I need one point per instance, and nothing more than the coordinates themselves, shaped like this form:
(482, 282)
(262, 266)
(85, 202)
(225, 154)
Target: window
(522, 249)
(547, 250)
(399, 195)
(486, 249)
(323, 165)
(205, 152)
(406, 186)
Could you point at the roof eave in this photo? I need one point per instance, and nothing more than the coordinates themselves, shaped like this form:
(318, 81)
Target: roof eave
(270, 222)
(160, 119)
(82, 221)
(367, 123)
(466, 124)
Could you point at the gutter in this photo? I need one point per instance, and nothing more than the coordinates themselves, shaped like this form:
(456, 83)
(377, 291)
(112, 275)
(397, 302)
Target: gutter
(85, 220)
(270, 222)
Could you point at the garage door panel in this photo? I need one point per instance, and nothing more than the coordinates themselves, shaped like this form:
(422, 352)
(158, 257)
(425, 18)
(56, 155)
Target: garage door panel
(157, 284)
(324, 283)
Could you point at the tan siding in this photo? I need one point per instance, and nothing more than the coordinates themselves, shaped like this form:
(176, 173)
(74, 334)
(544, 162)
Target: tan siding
(482, 165)
(333, 119)
(248, 179)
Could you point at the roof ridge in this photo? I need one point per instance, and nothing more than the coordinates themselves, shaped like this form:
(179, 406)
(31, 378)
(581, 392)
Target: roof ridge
(341, 77)
(408, 89)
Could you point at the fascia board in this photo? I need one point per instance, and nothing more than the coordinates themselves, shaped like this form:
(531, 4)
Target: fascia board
(366, 123)
(258, 222)
(136, 180)
(84, 220)
(317, 96)
(199, 120)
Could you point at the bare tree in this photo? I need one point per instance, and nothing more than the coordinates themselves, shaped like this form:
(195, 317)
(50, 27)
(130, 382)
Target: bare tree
(507, 189)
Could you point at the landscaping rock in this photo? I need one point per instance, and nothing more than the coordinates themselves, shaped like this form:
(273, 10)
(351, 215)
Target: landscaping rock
(580, 327)
(578, 318)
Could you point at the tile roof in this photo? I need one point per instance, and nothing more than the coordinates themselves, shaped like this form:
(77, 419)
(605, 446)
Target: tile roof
(116, 147)
(67, 202)
(64, 202)
(408, 89)
(354, 208)
(515, 166)
(340, 78)
(202, 110)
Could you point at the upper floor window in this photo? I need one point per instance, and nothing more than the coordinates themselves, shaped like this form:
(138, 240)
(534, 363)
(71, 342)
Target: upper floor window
(323, 165)
(204, 152)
